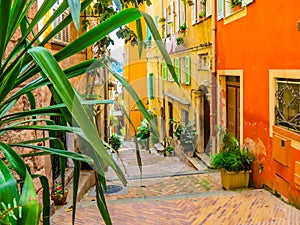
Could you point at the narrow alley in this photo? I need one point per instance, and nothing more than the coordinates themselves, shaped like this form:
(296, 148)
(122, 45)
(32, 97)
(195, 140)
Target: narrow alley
(172, 192)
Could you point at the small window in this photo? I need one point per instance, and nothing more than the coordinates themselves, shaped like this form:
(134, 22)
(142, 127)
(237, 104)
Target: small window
(63, 36)
(287, 109)
(184, 116)
(228, 7)
(203, 62)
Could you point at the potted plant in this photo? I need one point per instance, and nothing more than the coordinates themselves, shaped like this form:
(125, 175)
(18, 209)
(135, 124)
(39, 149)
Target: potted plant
(190, 2)
(168, 148)
(188, 137)
(235, 4)
(202, 14)
(182, 27)
(59, 194)
(144, 133)
(162, 20)
(234, 162)
(179, 40)
(115, 142)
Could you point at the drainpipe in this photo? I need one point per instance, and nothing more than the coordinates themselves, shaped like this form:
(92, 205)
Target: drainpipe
(214, 80)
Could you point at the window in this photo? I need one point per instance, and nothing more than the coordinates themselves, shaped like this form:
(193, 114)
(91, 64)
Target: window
(225, 9)
(203, 62)
(63, 36)
(164, 71)
(170, 78)
(184, 117)
(201, 9)
(180, 13)
(169, 15)
(185, 76)
(287, 109)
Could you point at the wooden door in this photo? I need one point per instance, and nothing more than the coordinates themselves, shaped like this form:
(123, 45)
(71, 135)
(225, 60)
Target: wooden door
(171, 129)
(233, 108)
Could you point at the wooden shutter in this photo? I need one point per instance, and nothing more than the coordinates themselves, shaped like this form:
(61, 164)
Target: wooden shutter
(188, 69)
(177, 68)
(194, 20)
(220, 9)
(164, 71)
(169, 74)
(208, 7)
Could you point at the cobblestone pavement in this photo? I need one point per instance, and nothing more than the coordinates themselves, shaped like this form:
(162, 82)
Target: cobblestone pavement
(173, 193)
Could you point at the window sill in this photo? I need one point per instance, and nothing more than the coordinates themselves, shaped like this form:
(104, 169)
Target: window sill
(60, 43)
(286, 133)
(201, 20)
(235, 15)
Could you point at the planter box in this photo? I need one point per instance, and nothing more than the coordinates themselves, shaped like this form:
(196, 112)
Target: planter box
(59, 200)
(235, 180)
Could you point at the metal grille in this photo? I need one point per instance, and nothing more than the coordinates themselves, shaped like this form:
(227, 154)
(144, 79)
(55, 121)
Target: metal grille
(287, 109)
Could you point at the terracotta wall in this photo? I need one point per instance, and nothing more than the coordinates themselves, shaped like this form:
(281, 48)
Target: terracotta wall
(266, 38)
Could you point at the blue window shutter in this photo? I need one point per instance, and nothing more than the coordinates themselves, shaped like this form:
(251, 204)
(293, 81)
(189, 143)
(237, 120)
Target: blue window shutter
(164, 71)
(188, 70)
(177, 68)
(150, 86)
(221, 7)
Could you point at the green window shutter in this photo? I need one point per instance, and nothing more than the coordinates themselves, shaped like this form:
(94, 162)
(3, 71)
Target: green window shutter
(164, 71)
(221, 7)
(150, 86)
(173, 64)
(246, 2)
(188, 70)
(177, 68)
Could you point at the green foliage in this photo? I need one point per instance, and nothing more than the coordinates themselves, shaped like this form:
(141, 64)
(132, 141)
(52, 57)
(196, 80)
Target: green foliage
(231, 157)
(234, 3)
(202, 14)
(26, 68)
(115, 141)
(177, 128)
(143, 130)
(59, 190)
(179, 41)
(182, 26)
(10, 212)
(188, 135)
(167, 143)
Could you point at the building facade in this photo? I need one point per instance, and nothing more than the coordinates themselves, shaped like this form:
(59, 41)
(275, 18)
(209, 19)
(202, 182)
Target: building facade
(258, 78)
(186, 30)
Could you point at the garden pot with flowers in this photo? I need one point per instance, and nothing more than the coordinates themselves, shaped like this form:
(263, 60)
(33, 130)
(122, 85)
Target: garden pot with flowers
(59, 196)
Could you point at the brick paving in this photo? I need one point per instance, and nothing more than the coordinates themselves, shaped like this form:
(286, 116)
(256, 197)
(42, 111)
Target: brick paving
(179, 196)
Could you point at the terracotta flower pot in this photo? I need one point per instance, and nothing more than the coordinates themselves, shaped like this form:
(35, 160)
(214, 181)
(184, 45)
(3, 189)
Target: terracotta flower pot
(60, 200)
(236, 8)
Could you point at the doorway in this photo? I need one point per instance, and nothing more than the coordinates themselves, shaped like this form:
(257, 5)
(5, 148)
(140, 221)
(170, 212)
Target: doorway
(171, 128)
(233, 105)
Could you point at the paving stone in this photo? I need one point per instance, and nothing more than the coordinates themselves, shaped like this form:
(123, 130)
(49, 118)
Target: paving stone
(173, 193)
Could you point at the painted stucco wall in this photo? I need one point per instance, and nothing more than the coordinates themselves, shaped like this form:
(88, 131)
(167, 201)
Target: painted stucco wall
(264, 38)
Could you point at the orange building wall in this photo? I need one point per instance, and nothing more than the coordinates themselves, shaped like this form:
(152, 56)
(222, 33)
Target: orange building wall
(135, 72)
(266, 38)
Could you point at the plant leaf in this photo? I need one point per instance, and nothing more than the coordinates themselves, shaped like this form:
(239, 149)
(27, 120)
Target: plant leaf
(65, 91)
(75, 12)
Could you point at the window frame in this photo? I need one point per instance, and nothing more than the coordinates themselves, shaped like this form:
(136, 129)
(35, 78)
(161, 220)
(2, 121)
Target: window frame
(63, 37)
(280, 108)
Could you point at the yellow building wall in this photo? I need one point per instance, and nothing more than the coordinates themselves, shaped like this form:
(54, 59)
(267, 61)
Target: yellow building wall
(135, 72)
(197, 41)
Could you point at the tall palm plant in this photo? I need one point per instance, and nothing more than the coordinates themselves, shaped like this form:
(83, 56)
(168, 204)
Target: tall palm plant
(28, 67)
